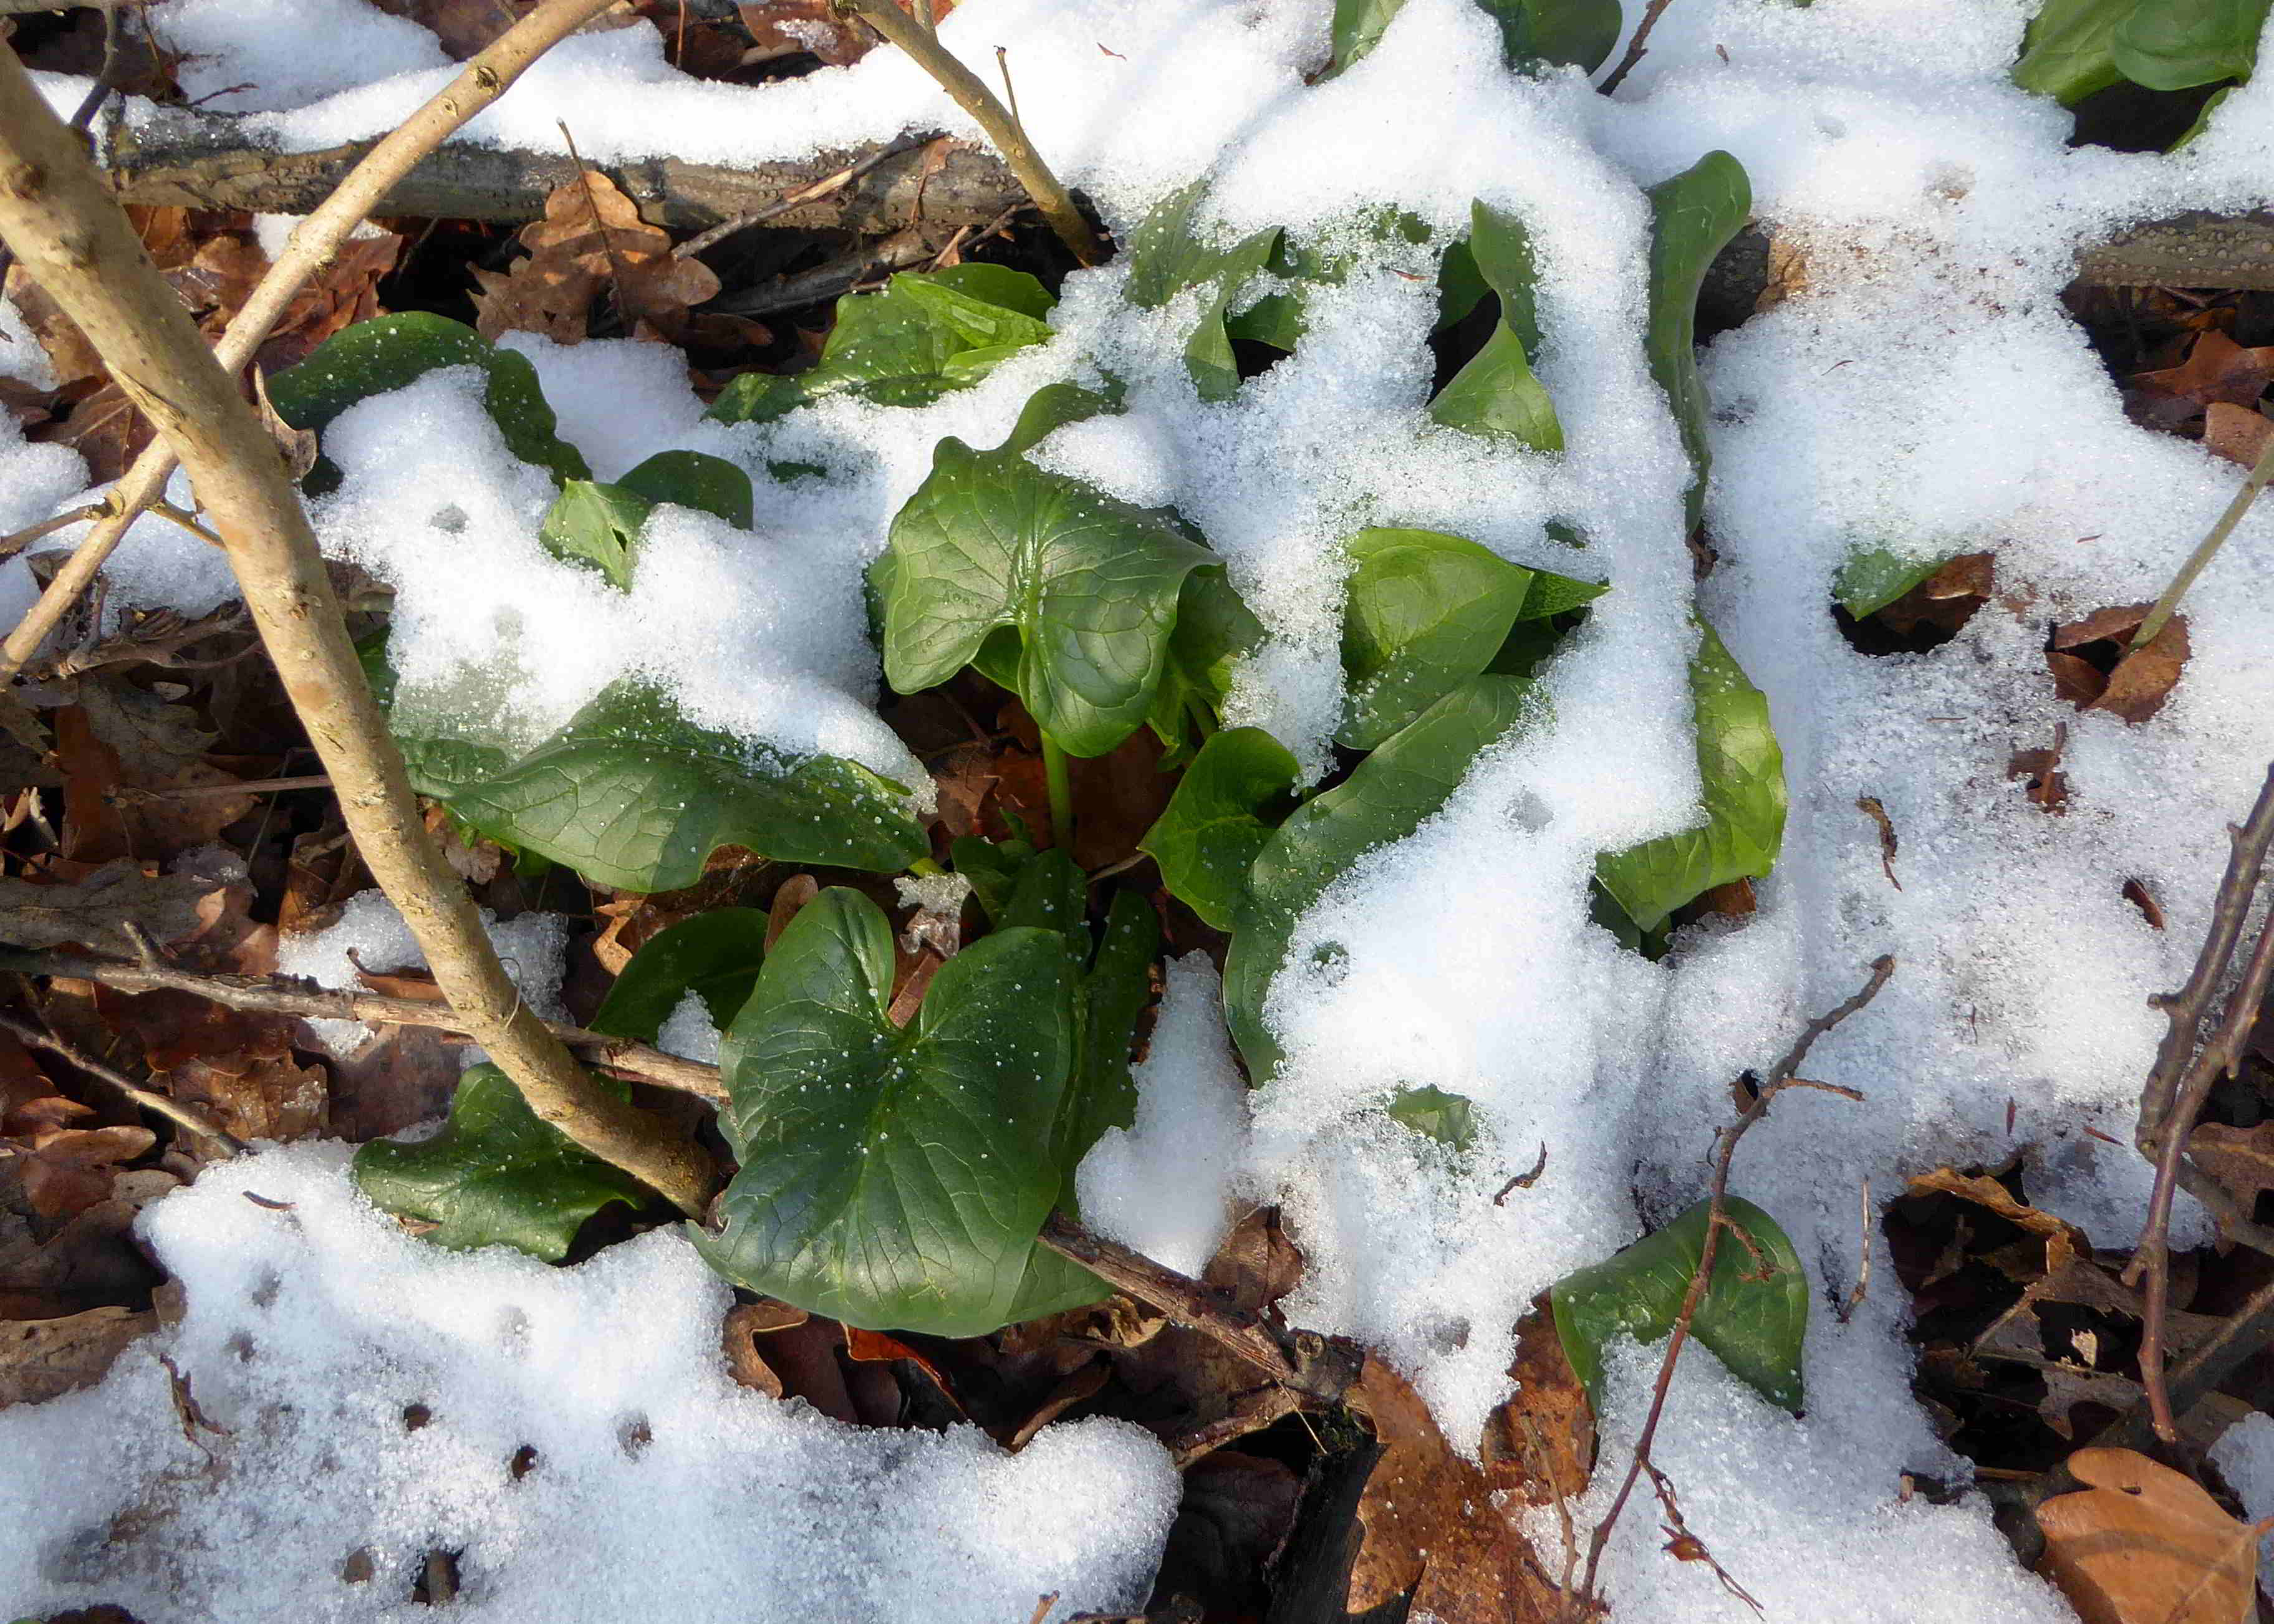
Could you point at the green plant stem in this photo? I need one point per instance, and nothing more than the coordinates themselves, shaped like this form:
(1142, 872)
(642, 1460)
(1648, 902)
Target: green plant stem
(973, 97)
(2261, 471)
(1061, 787)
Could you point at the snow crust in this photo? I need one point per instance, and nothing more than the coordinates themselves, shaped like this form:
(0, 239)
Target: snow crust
(658, 1488)
(1924, 390)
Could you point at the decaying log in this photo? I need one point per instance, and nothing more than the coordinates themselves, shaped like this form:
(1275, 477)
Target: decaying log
(204, 161)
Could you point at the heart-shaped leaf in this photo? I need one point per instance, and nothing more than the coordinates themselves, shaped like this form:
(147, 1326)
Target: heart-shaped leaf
(716, 956)
(923, 335)
(1393, 792)
(1741, 772)
(496, 1175)
(2177, 44)
(1693, 216)
(388, 352)
(1218, 820)
(1754, 1314)
(1090, 585)
(894, 1179)
(1496, 392)
(1425, 613)
(2066, 50)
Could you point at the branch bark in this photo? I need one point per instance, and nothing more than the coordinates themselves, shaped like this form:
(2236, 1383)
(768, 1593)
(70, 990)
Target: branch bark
(485, 79)
(60, 220)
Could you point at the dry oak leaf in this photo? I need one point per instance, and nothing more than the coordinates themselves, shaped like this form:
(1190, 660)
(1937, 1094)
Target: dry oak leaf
(2216, 369)
(2143, 1545)
(2242, 1159)
(2239, 433)
(592, 239)
(41, 1359)
(68, 1171)
(91, 912)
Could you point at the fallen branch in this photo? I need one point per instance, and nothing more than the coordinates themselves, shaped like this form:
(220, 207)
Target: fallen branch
(192, 160)
(279, 995)
(312, 244)
(1777, 1081)
(2172, 1100)
(78, 244)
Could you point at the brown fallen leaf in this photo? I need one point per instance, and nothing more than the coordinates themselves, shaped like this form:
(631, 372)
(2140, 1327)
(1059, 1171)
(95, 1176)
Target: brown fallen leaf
(2239, 433)
(2216, 369)
(590, 241)
(2144, 678)
(65, 1172)
(92, 912)
(2242, 1159)
(2143, 1545)
(788, 28)
(41, 1359)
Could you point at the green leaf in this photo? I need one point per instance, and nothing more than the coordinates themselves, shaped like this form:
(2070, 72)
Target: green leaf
(1393, 792)
(1218, 819)
(1215, 629)
(1447, 1118)
(1693, 216)
(496, 1175)
(2176, 44)
(894, 1179)
(1167, 255)
(993, 867)
(597, 526)
(716, 956)
(1054, 406)
(1460, 285)
(1091, 584)
(692, 479)
(2066, 51)
(632, 794)
(925, 333)
(1754, 1314)
(1533, 32)
(1115, 992)
(389, 352)
(1496, 392)
(1425, 613)
(1741, 771)
(1873, 577)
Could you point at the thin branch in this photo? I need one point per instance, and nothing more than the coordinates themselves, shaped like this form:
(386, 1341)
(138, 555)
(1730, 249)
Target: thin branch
(1774, 1084)
(313, 247)
(149, 1099)
(10, 545)
(1636, 49)
(76, 242)
(803, 195)
(2207, 549)
(278, 995)
(971, 93)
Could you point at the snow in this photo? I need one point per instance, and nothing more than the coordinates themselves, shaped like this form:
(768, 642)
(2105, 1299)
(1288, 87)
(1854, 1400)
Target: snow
(2244, 1455)
(660, 1488)
(687, 1032)
(369, 935)
(1924, 390)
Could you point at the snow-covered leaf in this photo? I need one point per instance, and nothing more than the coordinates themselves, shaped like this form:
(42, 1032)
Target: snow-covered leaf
(1693, 216)
(1496, 392)
(695, 479)
(1873, 577)
(496, 1175)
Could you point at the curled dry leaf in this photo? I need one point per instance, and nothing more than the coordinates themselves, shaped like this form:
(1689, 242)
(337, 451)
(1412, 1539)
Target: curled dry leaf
(2143, 1545)
(67, 1170)
(591, 241)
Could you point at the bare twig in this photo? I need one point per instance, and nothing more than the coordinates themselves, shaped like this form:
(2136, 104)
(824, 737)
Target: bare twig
(970, 93)
(278, 994)
(1862, 1288)
(76, 242)
(803, 195)
(10, 545)
(2207, 549)
(149, 1099)
(1636, 49)
(314, 243)
(1771, 1086)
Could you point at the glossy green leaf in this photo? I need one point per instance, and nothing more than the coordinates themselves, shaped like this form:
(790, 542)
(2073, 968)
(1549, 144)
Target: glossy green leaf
(2066, 51)
(1167, 253)
(1435, 1114)
(1423, 613)
(1460, 285)
(1693, 216)
(1215, 629)
(1393, 792)
(693, 479)
(1533, 32)
(1741, 771)
(994, 868)
(924, 334)
(1054, 406)
(632, 794)
(2177, 44)
(597, 526)
(1496, 393)
(1115, 992)
(1091, 584)
(496, 1175)
(1218, 819)
(1754, 1314)
(391, 352)
(891, 1178)
(715, 956)
(1872, 578)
